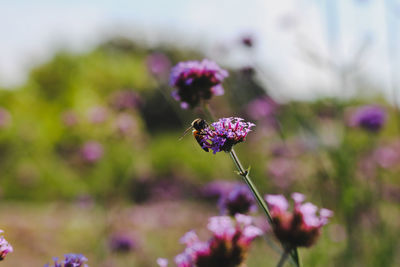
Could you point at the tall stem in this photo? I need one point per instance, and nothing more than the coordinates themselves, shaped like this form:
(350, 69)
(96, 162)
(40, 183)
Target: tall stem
(244, 173)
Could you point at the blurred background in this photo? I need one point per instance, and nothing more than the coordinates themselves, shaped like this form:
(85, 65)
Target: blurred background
(90, 160)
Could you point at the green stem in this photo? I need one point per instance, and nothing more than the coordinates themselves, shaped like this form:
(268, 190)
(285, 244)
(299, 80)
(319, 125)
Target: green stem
(283, 259)
(244, 173)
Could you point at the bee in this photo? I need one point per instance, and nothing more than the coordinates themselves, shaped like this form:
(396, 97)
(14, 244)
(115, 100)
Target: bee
(198, 126)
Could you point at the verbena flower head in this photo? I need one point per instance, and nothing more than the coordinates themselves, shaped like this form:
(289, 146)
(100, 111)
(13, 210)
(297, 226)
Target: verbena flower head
(122, 243)
(5, 247)
(70, 260)
(228, 247)
(238, 200)
(301, 227)
(371, 118)
(225, 133)
(196, 81)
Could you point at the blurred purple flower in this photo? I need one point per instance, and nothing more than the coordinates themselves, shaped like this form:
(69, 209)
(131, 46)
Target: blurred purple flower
(282, 171)
(159, 65)
(5, 247)
(5, 117)
(225, 133)
(261, 108)
(69, 118)
(196, 81)
(124, 99)
(71, 260)
(122, 243)
(217, 189)
(301, 227)
(92, 151)
(97, 114)
(371, 118)
(238, 200)
(228, 246)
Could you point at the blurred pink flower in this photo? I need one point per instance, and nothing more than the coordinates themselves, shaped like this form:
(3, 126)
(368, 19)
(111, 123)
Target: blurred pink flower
(92, 151)
(261, 108)
(282, 171)
(5, 247)
(388, 156)
(97, 114)
(124, 99)
(125, 123)
(69, 118)
(159, 65)
(5, 118)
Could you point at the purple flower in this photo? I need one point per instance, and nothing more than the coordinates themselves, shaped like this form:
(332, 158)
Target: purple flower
(124, 99)
(196, 81)
(301, 227)
(92, 151)
(228, 246)
(238, 200)
(158, 65)
(5, 247)
(71, 260)
(225, 133)
(122, 243)
(371, 118)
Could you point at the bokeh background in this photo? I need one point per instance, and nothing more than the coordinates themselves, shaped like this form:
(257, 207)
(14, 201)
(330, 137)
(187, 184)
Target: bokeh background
(90, 160)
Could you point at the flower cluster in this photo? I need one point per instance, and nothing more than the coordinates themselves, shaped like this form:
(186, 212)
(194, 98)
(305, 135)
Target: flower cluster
(225, 133)
(5, 247)
(238, 200)
(196, 81)
(370, 118)
(71, 260)
(228, 247)
(299, 228)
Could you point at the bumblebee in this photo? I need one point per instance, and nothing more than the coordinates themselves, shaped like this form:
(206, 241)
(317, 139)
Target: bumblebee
(198, 126)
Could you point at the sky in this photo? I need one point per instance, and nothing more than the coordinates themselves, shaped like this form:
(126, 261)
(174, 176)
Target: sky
(302, 47)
